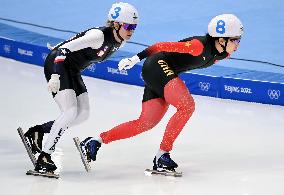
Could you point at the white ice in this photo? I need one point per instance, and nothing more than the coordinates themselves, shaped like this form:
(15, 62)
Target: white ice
(227, 147)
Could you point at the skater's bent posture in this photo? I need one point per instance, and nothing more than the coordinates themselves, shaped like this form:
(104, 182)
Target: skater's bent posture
(62, 70)
(163, 87)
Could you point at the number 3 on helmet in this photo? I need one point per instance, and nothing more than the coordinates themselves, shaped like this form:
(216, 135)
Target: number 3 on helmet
(123, 13)
(225, 25)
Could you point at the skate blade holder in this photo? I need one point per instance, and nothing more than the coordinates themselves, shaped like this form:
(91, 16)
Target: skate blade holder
(151, 172)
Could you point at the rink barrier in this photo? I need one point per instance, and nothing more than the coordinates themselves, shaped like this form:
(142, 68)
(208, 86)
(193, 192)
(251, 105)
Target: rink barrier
(226, 87)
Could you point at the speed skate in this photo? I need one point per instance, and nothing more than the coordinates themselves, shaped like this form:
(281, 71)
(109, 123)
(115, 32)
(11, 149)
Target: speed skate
(150, 172)
(82, 154)
(43, 174)
(27, 145)
(33, 158)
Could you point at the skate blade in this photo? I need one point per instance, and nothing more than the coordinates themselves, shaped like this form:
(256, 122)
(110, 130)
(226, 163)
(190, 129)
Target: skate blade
(44, 174)
(83, 156)
(150, 172)
(28, 149)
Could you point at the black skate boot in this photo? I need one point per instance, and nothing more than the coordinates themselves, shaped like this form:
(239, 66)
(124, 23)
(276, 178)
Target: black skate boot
(34, 137)
(44, 163)
(164, 163)
(90, 148)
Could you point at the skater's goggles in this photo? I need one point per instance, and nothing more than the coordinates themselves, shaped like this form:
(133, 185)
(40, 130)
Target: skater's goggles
(236, 40)
(129, 26)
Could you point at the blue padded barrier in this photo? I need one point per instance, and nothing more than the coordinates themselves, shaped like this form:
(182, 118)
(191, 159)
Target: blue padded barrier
(216, 81)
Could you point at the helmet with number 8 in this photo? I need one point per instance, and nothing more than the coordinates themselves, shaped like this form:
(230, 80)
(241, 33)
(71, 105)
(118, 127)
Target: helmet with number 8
(124, 13)
(225, 25)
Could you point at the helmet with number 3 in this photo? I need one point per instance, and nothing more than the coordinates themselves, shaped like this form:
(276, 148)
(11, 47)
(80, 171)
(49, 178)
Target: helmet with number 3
(225, 25)
(124, 13)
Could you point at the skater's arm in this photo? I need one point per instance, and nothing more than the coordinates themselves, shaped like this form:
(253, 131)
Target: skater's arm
(193, 47)
(93, 38)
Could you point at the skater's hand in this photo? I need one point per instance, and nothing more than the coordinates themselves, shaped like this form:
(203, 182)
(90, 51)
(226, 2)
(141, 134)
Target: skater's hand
(54, 83)
(128, 63)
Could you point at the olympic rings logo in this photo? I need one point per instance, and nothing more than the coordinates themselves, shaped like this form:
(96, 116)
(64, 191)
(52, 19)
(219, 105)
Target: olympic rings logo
(273, 94)
(92, 68)
(204, 86)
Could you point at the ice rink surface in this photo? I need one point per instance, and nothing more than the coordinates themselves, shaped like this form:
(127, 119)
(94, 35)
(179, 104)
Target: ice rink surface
(227, 148)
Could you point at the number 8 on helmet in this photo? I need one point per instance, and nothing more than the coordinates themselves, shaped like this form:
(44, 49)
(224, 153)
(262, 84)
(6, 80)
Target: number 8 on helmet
(225, 25)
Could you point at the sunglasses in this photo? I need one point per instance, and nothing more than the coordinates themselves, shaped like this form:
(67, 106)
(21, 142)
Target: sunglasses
(236, 41)
(129, 26)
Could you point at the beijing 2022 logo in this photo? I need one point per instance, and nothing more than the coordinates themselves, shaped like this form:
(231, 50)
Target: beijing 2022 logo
(273, 94)
(204, 86)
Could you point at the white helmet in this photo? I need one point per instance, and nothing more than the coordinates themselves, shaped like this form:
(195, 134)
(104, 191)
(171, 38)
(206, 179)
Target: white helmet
(225, 25)
(123, 12)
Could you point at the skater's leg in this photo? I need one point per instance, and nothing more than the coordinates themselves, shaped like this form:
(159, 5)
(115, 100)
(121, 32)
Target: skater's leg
(152, 112)
(83, 113)
(67, 103)
(35, 134)
(83, 107)
(176, 94)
